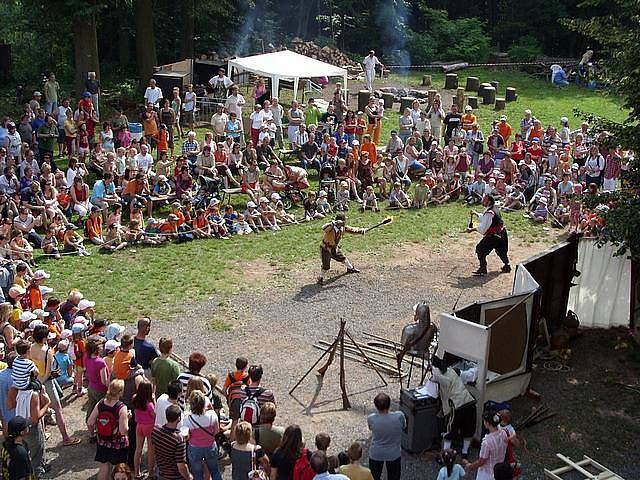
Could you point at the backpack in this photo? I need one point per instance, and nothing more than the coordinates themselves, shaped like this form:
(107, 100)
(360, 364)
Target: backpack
(108, 420)
(235, 392)
(250, 408)
(302, 468)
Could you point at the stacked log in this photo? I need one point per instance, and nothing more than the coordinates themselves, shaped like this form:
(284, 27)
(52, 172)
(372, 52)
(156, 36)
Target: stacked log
(326, 54)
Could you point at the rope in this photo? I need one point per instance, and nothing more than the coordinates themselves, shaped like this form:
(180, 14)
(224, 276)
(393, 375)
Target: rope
(472, 65)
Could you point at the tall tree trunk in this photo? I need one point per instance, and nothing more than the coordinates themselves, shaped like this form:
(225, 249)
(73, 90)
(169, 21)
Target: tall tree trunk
(146, 56)
(188, 8)
(124, 46)
(85, 41)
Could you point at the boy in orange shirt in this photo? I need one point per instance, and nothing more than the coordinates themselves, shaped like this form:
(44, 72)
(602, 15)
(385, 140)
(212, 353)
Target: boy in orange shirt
(369, 147)
(123, 360)
(233, 388)
(79, 348)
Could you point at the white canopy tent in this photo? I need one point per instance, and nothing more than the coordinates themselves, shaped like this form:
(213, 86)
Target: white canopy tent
(286, 65)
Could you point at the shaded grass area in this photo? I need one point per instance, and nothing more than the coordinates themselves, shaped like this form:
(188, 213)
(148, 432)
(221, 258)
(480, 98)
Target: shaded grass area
(158, 281)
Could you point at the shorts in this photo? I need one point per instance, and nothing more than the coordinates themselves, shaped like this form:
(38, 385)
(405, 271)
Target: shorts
(114, 456)
(249, 186)
(144, 430)
(51, 387)
(327, 254)
(234, 408)
(61, 135)
(188, 116)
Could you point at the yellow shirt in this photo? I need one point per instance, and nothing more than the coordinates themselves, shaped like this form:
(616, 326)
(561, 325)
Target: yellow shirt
(356, 472)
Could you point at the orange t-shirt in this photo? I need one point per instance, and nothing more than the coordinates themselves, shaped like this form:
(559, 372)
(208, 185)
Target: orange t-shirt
(238, 376)
(122, 364)
(370, 148)
(200, 222)
(163, 140)
(79, 349)
(467, 120)
(35, 297)
(94, 227)
(505, 132)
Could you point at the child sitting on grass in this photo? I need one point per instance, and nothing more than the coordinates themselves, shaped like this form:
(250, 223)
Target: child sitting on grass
(398, 198)
(50, 243)
(311, 208)
(439, 192)
(281, 214)
(369, 200)
(201, 226)
(114, 239)
(74, 242)
(342, 197)
(421, 195)
(152, 231)
(252, 217)
(322, 204)
(217, 222)
(268, 214)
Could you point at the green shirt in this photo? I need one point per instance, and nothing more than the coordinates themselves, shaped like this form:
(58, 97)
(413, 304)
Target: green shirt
(51, 91)
(164, 371)
(268, 438)
(311, 115)
(47, 143)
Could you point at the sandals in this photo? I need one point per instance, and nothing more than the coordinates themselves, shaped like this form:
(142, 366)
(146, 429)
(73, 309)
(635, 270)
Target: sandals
(71, 442)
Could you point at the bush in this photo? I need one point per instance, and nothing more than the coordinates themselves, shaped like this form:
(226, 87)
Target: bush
(525, 49)
(444, 39)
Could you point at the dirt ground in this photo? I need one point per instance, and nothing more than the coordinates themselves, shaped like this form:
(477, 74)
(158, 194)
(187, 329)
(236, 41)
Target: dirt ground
(278, 325)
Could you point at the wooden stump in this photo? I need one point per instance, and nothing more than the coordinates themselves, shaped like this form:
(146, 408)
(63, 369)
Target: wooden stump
(388, 99)
(406, 102)
(451, 81)
(472, 84)
(501, 103)
(431, 95)
(460, 98)
(511, 95)
(481, 87)
(489, 95)
(495, 84)
(363, 99)
(473, 102)
(426, 80)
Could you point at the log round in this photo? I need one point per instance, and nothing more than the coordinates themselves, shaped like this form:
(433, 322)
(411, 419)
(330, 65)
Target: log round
(473, 102)
(489, 95)
(405, 102)
(451, 81)
(363, 99)
(511, 95)
(426, 80)
(472, 84)
(388, 98)
(501, 103)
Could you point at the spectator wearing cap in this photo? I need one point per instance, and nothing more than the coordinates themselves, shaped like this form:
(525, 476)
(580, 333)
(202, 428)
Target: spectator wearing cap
(16, 292)
(34, 294)
(110, 349)
(64, 363)
(505, 130)
(114, 331)
(34, 103)
(43, 358)
(18, 460)
(145, 351)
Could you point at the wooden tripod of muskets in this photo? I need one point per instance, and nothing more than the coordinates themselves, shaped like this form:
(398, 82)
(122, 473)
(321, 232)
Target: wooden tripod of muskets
(338, 347)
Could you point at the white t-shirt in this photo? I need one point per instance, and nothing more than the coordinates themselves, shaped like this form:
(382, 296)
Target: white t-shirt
(277, 111)
(189, 105)
(234, 104)
(256, 119)
(152, 95)
(144, 162)
(226, 81)
(161, 408)
(370, 63)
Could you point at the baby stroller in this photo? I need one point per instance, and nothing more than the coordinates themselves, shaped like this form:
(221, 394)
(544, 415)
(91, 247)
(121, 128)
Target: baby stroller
(208, 188)
(328, 181)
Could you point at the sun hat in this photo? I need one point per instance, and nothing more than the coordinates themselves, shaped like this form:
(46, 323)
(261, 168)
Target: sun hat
(275, 197)
(543, 200)
(503, 117)
(251, 204)
(38, 312)
(81, 320)
(264, 200)
(78, 328)
(44, 290)
(468, 108)
(323, 193)
(111, 345)
(151, 221)
(63, 344)
(84, 304)
(113, 330)
(355, 143)
(66, 334)
(37, 94)
(35, 323)
(16, 290)
(214, 202)
(27, 316)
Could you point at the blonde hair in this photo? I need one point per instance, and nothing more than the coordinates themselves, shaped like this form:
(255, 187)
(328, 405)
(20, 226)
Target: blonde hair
(243, 433)
(116, 387)
(5, 311)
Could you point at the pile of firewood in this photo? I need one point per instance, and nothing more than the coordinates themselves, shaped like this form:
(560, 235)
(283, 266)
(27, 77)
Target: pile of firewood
(327, 54)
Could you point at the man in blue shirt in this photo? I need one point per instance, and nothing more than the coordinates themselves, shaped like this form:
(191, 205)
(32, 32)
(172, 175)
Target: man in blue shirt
(104, 192)
(146, 352)
(5, 384)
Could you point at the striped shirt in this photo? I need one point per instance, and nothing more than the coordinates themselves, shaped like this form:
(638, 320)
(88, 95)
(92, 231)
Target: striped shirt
(170, 450)
(21, 372)
(184, 378)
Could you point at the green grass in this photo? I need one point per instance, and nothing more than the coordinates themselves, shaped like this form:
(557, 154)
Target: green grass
(158, 281)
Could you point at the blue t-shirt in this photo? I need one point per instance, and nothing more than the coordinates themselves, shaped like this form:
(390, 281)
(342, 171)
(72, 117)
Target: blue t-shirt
(63, 361)
(5, 384)
(100, 190)
(145, 352)
(457, 472)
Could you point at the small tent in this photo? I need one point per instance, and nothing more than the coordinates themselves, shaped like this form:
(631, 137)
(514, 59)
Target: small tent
(286, 65)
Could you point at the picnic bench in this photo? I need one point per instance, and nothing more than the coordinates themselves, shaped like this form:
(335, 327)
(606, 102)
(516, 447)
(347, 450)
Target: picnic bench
(158, 199)
(228, 192)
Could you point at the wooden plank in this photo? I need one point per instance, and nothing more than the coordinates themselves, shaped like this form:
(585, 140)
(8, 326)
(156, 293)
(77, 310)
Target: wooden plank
(567, 469)
(576, 467)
